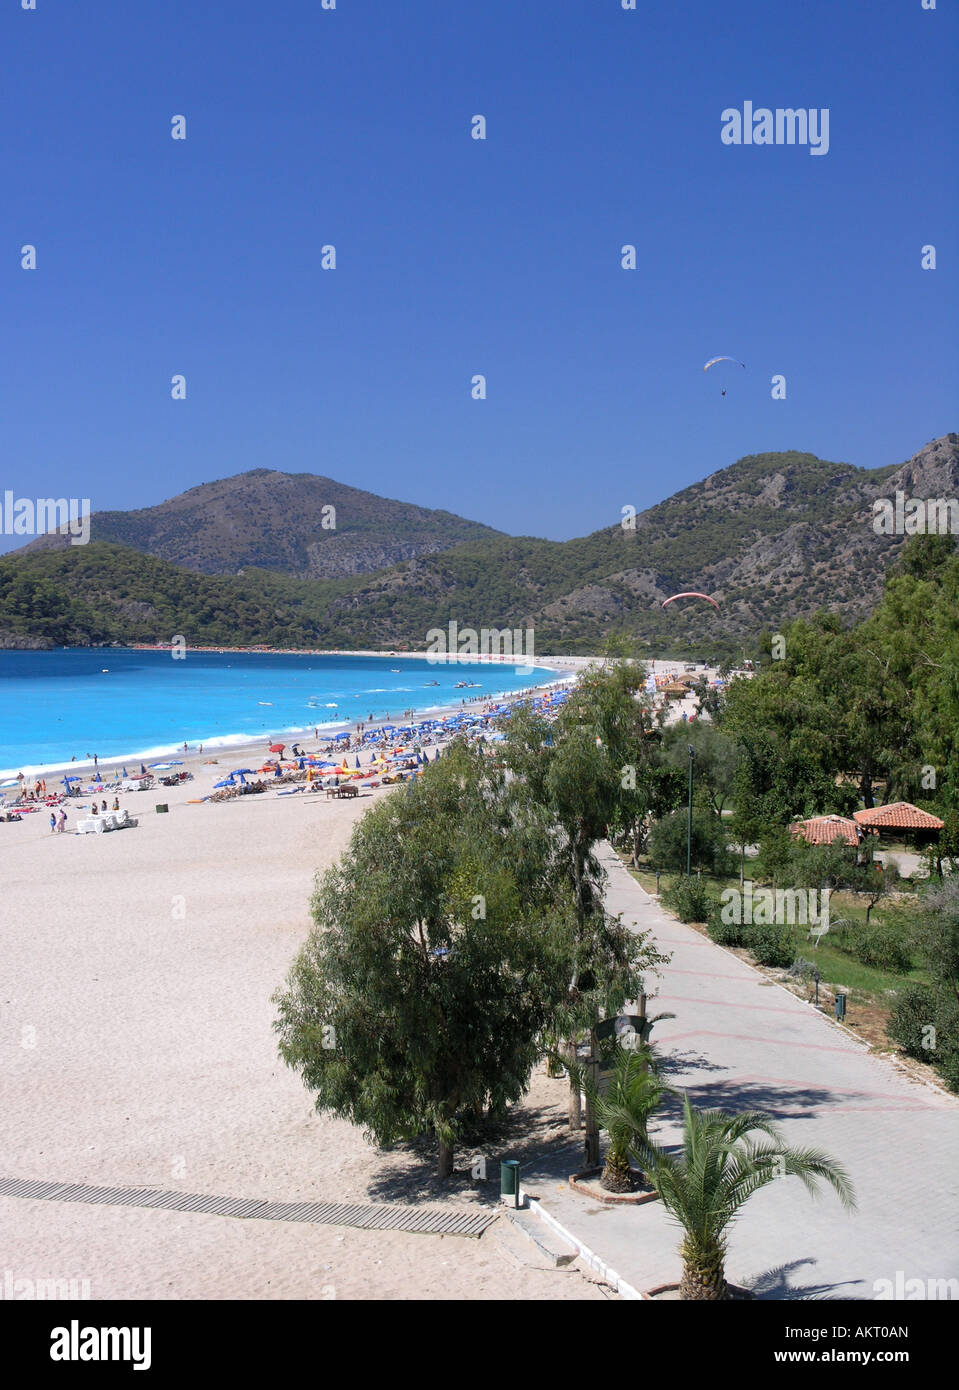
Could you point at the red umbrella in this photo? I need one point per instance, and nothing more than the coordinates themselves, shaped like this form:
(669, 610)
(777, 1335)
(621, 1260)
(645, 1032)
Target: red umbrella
(277, 747)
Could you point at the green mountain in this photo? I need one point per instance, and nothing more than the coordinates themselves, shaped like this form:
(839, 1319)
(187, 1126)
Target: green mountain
(294, 523)
(773, 537)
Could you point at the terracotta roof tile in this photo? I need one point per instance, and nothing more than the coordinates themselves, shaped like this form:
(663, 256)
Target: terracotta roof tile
(899, 815)
(826, 830)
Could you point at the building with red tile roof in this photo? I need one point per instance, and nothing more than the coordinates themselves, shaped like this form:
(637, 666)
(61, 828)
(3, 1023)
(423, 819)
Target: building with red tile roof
(827, 830)
(898, 815)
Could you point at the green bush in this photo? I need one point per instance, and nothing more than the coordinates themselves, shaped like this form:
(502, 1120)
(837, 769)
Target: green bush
(925, 1024)
(708, 847)
(879, 946)
(912, 1015)
(724, 933)
(687, 897)
(771, 945)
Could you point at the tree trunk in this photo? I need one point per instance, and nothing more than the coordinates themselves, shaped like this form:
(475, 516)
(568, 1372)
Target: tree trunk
(575, 1097)
(618, 1173)
(704, 1275)
(444, 1165)
(592, 1130)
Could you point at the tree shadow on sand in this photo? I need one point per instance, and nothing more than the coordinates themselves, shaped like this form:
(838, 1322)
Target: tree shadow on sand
(535, 1134)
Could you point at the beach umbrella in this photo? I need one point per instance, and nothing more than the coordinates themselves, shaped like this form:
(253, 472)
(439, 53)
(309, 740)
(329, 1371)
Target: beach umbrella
(124, 773)
(277, 747)
(242, 772)
(227, 782)
(142, 770)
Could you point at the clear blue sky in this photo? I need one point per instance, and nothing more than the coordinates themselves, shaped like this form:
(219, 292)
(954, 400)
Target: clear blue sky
(457, 257)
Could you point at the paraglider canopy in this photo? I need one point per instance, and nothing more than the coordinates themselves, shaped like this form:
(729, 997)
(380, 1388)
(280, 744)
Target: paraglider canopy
(690, 594)
(713, 360)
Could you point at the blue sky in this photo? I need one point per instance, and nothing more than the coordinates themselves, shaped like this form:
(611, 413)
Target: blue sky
(455, 257)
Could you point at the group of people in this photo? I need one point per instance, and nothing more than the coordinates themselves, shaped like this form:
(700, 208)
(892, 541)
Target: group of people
(38, 791)
(59, 820)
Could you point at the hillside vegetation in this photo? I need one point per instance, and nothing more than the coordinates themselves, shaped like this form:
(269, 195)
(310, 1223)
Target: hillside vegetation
(774, 537)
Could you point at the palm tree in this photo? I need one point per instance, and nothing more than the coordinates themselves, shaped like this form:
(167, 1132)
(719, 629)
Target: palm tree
(720, 1167)
(623, 1108)
(633, 1093)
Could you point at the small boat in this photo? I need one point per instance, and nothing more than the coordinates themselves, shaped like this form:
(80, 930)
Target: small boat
(264, 702)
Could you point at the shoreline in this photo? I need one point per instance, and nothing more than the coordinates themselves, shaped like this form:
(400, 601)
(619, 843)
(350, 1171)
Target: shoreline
(240, 743)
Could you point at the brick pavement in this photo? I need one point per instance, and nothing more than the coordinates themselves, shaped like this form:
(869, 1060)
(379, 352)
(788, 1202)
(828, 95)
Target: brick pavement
(738, 1041)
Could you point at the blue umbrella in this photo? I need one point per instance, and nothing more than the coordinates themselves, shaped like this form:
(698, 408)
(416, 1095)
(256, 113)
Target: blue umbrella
(142, 769)
(71, 779)
(227, 782)
(124, 773)
(242, 772)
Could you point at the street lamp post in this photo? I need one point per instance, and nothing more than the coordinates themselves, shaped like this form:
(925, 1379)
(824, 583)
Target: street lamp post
(689, 813)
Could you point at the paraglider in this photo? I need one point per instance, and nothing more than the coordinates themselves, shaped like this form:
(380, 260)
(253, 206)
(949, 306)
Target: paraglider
(713, 360)
(690, 594)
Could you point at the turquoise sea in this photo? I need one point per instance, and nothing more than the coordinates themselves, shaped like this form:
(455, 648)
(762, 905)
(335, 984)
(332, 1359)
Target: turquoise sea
(75, 702)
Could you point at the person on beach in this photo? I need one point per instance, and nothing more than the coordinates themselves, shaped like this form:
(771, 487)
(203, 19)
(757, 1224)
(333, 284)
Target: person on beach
(94, 810)
(116, 803)
(61, 821)
(53, 822)
(103, 805)
(95, 760)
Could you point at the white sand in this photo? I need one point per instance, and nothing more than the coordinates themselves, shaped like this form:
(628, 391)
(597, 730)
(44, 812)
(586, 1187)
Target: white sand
(136, 1049)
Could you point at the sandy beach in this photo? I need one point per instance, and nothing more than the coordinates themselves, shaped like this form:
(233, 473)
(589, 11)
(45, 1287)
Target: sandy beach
(135, 1026)
(138, 1051)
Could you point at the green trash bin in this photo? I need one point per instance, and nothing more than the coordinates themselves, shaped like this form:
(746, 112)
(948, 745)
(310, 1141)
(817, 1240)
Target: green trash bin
(162, 809)
(840, 1007)
(509, 1179)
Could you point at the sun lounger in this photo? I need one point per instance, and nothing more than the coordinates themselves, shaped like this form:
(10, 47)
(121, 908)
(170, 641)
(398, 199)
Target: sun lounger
(91, 825)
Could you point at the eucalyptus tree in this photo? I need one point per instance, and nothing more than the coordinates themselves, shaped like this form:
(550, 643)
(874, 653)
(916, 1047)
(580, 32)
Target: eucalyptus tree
(573, 770)
(438, 958)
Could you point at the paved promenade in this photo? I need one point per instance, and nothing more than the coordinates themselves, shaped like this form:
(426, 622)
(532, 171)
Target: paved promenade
(739, 1042)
